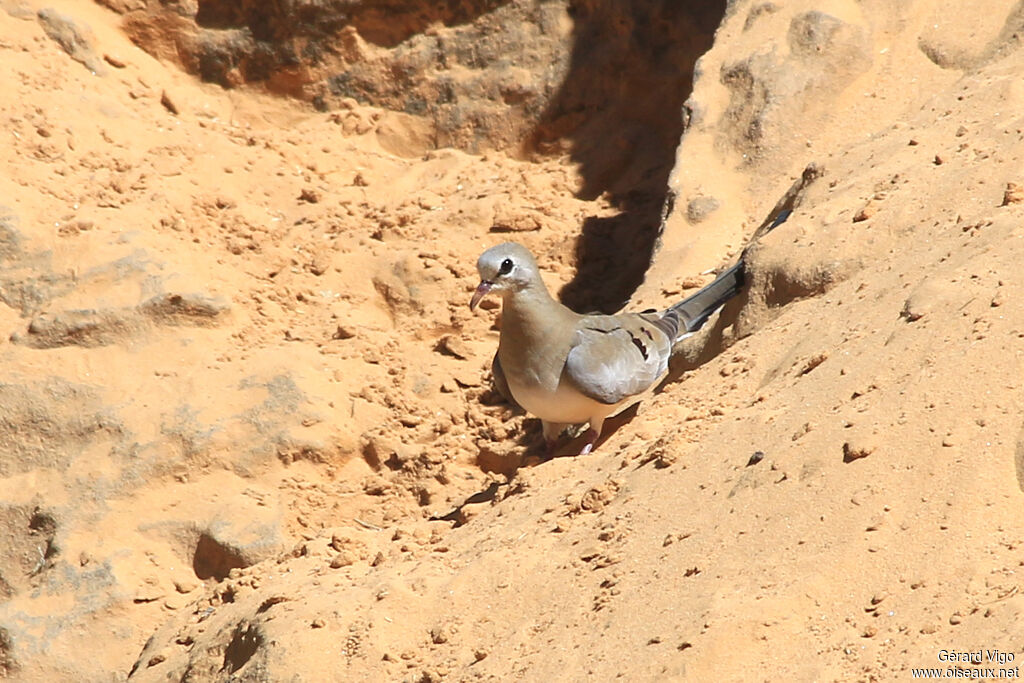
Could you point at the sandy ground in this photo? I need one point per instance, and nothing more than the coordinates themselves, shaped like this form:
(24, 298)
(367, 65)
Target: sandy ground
(246, 428)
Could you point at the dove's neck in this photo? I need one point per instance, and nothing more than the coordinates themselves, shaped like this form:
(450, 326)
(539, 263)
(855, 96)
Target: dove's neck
(531, 315)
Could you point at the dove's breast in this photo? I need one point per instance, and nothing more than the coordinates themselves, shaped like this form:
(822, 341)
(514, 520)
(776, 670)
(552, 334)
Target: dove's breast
(564, 404)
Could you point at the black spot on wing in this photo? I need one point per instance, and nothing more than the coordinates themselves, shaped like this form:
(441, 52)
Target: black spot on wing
(640, 345)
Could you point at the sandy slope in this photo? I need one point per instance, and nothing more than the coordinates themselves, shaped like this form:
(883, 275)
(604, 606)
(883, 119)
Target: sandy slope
(242, 378)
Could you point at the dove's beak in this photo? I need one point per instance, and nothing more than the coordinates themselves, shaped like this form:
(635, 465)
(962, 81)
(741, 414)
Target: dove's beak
(480, 293)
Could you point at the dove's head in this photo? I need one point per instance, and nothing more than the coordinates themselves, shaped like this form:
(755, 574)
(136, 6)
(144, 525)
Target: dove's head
(505, 269)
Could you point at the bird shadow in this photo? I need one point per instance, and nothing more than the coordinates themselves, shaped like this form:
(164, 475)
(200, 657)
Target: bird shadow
(573, 447)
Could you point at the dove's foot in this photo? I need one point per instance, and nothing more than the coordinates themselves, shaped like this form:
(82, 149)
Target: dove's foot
(591, 438)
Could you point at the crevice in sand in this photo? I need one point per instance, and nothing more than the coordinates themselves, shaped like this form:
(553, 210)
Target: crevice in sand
(619, 111)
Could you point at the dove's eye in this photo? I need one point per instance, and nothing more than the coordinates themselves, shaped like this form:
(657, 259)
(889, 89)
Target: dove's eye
(506, 267)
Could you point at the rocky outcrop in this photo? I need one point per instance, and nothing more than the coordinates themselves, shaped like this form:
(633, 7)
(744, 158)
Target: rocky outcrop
(603, 82)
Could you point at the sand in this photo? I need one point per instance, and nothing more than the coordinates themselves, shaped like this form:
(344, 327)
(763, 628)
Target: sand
(247, 430)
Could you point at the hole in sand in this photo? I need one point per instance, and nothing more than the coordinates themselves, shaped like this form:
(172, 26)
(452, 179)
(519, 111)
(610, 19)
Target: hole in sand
(244, 643)
(213, 559)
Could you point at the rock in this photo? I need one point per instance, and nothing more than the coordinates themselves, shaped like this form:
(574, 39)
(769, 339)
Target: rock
(700, 208)
(1018, 458)
(73, 38)
(191, 309)
(515, 219)
(1014, 194)
(343, 559)
(454, 346)
(473, 76)
(177, 601)
(342, 332)
(103, 327)
(384, 451)
(440, 634)
(467, 378)
(998, 299)
(869, 210)
(86, 328)
(234, 540)
(857, 448)
(149, 591)
(320, 263)
(170, 103)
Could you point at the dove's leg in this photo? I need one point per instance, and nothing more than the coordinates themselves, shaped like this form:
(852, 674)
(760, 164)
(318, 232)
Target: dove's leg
(592, 434)
(551, 431)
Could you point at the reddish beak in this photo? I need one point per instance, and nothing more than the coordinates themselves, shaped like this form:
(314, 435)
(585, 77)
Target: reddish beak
(480, 293)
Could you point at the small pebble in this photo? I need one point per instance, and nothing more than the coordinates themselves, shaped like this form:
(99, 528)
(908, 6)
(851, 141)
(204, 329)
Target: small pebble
(169, 103)
(865, 213)
(1014, 194)
(342, 559)
(855, 450)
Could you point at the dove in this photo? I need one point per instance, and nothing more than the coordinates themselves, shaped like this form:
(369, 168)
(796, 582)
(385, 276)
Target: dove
(567, 368)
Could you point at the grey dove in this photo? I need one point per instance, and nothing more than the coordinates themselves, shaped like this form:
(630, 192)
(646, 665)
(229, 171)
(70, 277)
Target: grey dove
(567, 368)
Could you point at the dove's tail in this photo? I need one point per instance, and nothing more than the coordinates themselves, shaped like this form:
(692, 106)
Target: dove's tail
(695, 310)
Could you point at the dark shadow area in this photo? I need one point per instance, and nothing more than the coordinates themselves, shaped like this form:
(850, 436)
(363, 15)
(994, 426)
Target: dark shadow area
(244, 644)
(43, 524)
(458, 515)
(619, 113)
(611, 425)
(385, 23)
(213, 559)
